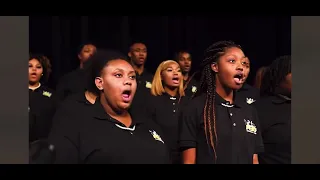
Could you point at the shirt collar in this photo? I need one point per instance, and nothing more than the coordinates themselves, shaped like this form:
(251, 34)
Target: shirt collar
(280, 99)
(34, 88)
(236, 102)
(100, 114)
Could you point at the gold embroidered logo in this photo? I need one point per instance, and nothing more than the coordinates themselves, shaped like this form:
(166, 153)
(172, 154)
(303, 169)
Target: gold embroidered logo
(156, 136)
(250, 100)
(250, 127)
(194, 89)
(148, 84)
(46, 93)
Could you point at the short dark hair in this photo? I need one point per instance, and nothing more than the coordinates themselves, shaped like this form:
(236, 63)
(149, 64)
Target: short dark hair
(179, 53)
(80, 47)
(136, 42)
(97, 62)
(274, 74)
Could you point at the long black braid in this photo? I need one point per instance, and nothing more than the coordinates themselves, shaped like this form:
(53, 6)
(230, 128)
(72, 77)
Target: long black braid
(208, 86)
(275, 74)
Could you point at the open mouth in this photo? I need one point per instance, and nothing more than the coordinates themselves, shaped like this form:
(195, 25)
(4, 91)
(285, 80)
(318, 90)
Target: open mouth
(176, 80)
(33, 74)
(126, 95)
(239, 78)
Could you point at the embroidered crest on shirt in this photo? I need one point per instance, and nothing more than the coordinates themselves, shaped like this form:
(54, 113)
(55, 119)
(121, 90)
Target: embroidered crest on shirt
(250, 100)
(46, 93)
(250, 127)
(156, 136)
(148, 84)
(194, 89)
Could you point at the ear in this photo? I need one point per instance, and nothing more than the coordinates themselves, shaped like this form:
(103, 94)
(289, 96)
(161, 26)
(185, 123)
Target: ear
(79, 56)
(214, 67)
(99, 83)
(129, 54)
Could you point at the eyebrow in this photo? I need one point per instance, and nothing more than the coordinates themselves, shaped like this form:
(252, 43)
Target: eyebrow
(132, 72)
(243, 57)
(119, 69)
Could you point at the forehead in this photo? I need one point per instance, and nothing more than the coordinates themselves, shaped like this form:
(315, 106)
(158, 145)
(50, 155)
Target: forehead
(119, 64)
(34, 61)
(88, 46)
(138, 46)
(171, 65)
(185, 55)
(234, 51)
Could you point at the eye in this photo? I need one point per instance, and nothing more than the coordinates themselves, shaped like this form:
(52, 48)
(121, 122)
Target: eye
(232, 60)
(118, 75)
(133, 77)
(245, 64)
(169, 70)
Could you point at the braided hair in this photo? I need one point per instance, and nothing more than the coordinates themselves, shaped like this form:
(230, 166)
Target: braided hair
(208, 86)
(275, 74)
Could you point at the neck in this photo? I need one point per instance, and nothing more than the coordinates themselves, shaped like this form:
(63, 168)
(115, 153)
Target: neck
(91, 97)
(138, 68)
(122, 116)
(185, 76)
(34, 86)
(81, 65)
(171, 91)
(224, 92)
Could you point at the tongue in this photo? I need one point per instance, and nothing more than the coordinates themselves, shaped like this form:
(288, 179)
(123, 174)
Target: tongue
(237, 80)
(175, 81)
(125, 95)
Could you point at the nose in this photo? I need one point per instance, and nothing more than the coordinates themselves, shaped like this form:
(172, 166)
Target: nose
(239, 66)
(128, 81)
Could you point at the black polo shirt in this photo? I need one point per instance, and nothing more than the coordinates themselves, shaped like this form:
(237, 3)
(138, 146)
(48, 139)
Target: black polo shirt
(191, 86)
(92, 137)
(143, 92)
(237, 127)
(275, 124)
(249, 94)
(42, 106)
(71, 83)
(164, 111)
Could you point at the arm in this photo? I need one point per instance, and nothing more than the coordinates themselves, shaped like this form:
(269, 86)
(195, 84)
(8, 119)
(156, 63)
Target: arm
(189, 156)
(255, 159)
(187, 134)
(259, 146)
(65, 137)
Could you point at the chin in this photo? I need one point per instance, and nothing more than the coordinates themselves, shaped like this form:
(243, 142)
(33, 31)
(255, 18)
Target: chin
(237, 87)
(125, 106)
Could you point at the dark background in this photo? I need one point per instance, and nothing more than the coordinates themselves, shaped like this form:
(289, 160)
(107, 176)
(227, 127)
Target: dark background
(263, 38)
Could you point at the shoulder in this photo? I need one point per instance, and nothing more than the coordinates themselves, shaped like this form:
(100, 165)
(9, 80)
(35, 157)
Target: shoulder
(264, 102)
(194, 104)
(76, 101)
(70, 75)
(148, 74)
